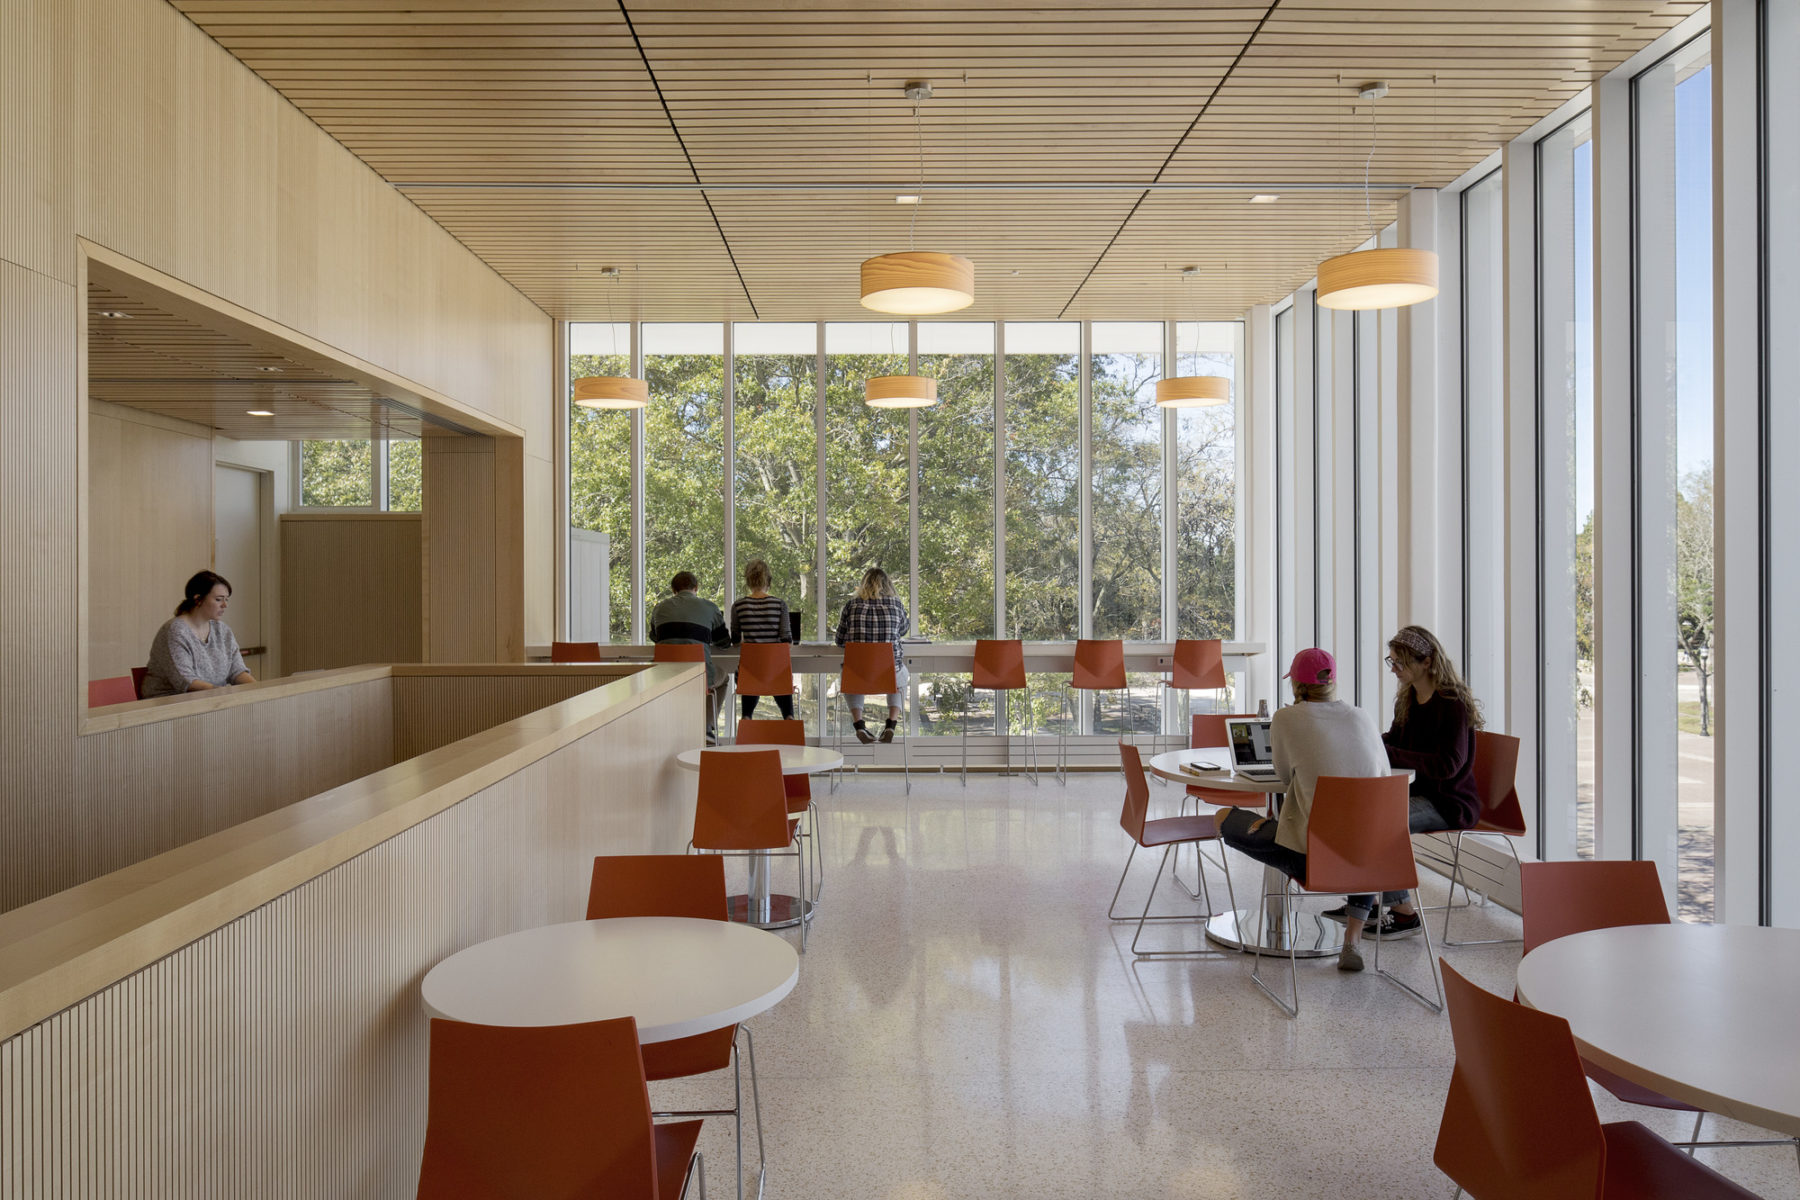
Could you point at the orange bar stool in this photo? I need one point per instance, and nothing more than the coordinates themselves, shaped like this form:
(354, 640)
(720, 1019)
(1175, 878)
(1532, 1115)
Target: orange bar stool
(548, 1110)
(1099, 667)
(1198, 665)
(999, 666)
(869, 671)
(574, 652)
(117, 690)
(1356, 841)
(683, 885)
(753, 731)
(742, 811)
(1167, 832)
(765, 669)
(692, 652)
(1519, 1119)
(1496, 769)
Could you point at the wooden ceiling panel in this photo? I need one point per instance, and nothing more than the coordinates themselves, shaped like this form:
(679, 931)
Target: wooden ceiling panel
(740, 157)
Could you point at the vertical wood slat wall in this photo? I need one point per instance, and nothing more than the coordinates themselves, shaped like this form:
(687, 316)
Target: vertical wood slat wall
(285, 1054)
(433, 710)
(127, 126)
(350, 589)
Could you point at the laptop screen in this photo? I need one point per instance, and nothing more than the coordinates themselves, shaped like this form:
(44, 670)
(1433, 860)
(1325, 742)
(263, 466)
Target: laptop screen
(1250, 742)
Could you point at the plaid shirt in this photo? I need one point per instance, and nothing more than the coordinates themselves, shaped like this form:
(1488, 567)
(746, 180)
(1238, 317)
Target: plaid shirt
(883, 619)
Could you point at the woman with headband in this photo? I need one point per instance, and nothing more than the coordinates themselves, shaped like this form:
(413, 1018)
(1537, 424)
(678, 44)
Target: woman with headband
(1433, 736)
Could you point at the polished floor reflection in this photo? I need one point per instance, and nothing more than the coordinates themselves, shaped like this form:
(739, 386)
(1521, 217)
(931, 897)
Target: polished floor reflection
(969, 1025)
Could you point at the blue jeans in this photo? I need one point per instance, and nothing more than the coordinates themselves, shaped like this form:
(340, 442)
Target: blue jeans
(1260, 843)
(1422, 816)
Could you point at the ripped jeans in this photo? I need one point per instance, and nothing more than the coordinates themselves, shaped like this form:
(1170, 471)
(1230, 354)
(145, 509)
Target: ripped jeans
(1422, 816)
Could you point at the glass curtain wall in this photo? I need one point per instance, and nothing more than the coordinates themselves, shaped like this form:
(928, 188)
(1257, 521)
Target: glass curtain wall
(1781, 551)
(1286, 593)
(600, 466)
(1127, 563)
(1484, 441)
(1565, 281)
(1672, 120)
(337, 474)
(1043, 496)
(867, 464)
(684, 459)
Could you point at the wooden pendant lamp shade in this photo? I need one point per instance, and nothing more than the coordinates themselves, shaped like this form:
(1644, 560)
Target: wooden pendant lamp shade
(1391, 278)
(1193, 391)
(611, 391)
(917, 283)
(900, 391)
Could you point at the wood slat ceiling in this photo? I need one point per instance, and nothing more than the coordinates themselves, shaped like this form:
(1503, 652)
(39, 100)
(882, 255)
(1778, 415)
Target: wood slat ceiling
(738, 159)
(143, 357)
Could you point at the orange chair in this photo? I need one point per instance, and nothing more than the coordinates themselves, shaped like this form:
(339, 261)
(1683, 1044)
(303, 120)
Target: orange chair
(1561, 898)
(682, 885)
(1519, 1120)
(1206, 731)
(138, 675)
(754, 732)
(117, 690)
(574, 652)
(765, 669)
(1099, 667)
(1167, 832)
(742, 811)
(869, 671)
(1496, 766)
(1356, 841)
(548, 1110)
(999, 666)
(678, 652)
(1198, 663)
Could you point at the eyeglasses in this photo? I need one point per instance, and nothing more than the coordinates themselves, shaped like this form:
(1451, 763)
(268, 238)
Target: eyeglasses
(1392, 662)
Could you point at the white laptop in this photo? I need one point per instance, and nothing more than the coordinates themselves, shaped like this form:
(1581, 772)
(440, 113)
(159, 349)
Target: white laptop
(1251, 754)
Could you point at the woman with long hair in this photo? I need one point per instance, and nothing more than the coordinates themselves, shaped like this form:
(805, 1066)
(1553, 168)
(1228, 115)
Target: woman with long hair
(875, 614)
(194, 650)
(1433, 736)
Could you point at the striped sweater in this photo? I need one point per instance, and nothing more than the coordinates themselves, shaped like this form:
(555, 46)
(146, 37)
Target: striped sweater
(763, 619)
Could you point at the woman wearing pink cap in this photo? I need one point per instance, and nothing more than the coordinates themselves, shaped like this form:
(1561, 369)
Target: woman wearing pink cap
(1317, 735)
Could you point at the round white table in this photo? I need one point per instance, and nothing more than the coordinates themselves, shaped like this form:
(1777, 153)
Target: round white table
(679, 976)
(1702, 1013)
(759, 906)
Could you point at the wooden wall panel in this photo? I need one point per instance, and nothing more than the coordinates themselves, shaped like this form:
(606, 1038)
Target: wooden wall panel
(150, 788)
(129, 127)
(434, 710)
(285, 1054)
(350, 589)
(150, 527)
(474, 500)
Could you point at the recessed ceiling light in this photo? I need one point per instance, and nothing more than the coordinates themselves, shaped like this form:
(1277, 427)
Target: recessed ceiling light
(258, 412)
(276, 369)
(1263, 198)
(906, 199)
(113, 314)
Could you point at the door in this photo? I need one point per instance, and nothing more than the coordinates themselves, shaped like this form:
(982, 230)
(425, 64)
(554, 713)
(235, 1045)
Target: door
(237, 555)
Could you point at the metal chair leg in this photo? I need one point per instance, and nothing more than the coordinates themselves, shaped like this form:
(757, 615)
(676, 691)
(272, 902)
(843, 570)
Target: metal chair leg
(1430, 965)
(1455, 877)
(965, 738)
(1031, 749)
(1290, 1007)
(1145, 917)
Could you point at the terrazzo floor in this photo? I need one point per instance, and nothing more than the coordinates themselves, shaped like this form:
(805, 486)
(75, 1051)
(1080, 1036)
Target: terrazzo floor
(968, 1024)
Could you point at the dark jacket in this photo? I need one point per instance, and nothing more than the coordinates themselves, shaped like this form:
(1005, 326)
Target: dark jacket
(1437, 744)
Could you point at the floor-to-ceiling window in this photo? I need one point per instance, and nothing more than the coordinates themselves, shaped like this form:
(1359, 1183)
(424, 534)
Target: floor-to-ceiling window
(1127, 480)
(1482, 635)
(600, 470)
(1286, 546)
(1672, 194)
(1565, 286)
(684, 458)
(1206, 493)
(868, 499)
(956, 483)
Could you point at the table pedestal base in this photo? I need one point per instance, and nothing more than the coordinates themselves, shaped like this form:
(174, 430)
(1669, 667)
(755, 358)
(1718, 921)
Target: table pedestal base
(1315, 938)
(782, 912)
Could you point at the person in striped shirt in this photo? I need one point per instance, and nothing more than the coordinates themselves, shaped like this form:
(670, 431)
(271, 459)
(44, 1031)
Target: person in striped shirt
(760, 617)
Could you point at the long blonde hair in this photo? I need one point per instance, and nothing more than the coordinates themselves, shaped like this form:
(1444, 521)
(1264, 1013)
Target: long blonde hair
(1415, 643)
(875, 585)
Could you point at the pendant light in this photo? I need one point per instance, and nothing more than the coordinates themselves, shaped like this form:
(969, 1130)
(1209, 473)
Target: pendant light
(900, 391)
(1383, 278)
(1192, 391)
(917, 282)
(611, 391)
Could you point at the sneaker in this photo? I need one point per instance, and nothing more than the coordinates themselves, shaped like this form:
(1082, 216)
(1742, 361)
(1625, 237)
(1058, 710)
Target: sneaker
(1394, 925)
(887, 733)
(1336, 914)
(864, 736)
(1350, 959)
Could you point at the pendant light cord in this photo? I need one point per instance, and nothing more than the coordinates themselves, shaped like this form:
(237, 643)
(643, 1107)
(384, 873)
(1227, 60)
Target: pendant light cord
(919, 134)
(1374, 135)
